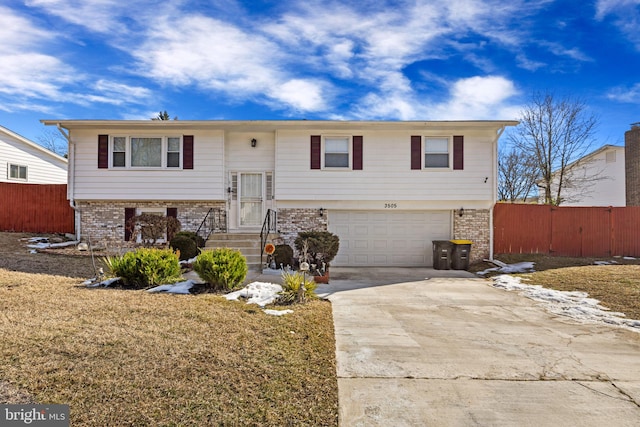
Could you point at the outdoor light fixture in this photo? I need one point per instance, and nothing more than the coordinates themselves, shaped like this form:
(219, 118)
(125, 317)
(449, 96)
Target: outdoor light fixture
(254, 142)
(321, 211)
(461, 212)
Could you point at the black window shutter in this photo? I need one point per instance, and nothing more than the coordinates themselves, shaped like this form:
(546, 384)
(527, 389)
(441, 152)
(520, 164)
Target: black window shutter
(458, 152)
(416, 152)
(316, 151)
(128, 229)
(187, 152)
(103, 151)
(357, 153)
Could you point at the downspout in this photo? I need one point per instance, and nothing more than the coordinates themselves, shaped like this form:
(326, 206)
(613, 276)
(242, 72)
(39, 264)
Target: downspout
(494, 189)
(71, 178)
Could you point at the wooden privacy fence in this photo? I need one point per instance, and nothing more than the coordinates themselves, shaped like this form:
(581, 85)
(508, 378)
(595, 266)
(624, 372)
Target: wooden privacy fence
(35, 208)
(566, 231)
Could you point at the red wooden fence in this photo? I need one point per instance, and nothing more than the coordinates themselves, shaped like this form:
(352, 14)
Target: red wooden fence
(567, 231)
(35, 208)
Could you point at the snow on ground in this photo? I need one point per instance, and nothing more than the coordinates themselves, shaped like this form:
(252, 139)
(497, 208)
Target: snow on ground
(576, 305)
(176, 288)
(91, 283)
(519, 267)
(259, 293)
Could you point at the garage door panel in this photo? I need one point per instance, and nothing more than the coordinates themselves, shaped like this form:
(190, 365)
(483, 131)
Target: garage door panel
(383, 238)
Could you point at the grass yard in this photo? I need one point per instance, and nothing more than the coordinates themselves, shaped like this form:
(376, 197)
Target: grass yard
(130, 358)
(617, 286)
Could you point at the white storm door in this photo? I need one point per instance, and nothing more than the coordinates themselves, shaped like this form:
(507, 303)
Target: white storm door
(251, 199)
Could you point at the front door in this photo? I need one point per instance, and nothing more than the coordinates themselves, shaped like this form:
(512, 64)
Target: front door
(250, 191)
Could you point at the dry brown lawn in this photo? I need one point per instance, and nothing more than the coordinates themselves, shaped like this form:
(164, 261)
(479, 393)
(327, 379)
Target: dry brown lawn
(131, 358)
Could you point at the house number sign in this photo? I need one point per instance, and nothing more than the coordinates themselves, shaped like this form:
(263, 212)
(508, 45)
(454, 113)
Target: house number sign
(390, 205)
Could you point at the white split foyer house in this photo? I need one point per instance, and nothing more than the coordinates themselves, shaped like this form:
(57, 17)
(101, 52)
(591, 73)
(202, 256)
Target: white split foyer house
(387, 189)
(24, 162)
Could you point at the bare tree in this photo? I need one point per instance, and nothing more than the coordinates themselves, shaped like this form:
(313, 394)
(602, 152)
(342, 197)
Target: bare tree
(53, 141)
(555, 132)
(517, 175)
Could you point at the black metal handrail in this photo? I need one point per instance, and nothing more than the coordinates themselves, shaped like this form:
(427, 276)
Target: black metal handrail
(215, 221)
(269, 225)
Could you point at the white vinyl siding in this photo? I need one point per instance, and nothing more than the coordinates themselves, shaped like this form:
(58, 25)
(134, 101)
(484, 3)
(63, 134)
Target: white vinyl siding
(204, 182)
(41, 166)
(386, 174)
(388, 238)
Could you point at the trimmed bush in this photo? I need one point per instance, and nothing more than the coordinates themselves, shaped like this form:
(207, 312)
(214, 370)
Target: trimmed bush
(146, 267)
(283, 255)
(185, 245)
(200, 242)
(291, 288)
(222, 268)
(322, 246)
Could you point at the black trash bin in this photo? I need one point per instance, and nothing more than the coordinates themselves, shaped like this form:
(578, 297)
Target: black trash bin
(442, 254)
(460, 254)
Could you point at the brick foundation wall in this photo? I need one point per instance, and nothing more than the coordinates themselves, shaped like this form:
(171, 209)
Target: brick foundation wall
(103, 222)
(292, 221)
(632, 165)
(474, 225)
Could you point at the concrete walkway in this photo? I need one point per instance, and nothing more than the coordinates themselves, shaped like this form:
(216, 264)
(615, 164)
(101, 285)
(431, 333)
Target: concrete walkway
(417, 349)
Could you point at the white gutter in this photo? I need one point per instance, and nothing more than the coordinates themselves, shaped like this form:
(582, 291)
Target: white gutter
(71, 177)
(494, 183)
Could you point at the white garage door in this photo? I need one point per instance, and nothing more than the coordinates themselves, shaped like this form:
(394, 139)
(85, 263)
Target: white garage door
(388, 238)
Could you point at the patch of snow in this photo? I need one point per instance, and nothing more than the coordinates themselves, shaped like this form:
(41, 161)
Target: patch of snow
(47, 245)
(277, 312)
(175, 288)
(576, 305)
(605, 262)
(105, 283)
(259, 293)
(188, 261)
(519, 267)
(630, 258)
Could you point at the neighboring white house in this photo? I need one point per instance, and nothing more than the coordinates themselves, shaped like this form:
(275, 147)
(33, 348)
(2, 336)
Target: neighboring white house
(24, 161)
(387, 189)
(597, 179)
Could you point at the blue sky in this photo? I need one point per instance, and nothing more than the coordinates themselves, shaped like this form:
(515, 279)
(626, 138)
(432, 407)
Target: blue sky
(316, 60)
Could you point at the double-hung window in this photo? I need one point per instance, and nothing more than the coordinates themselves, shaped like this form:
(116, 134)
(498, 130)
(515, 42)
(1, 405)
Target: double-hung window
(336, 152)
(17, 172)
(119, 152)
(146, 152)
(436, 152)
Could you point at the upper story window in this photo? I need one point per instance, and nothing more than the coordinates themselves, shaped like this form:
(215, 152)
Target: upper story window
(119, 151)
(17, 172)
(146, 152)
(436, 152)
(336, 152)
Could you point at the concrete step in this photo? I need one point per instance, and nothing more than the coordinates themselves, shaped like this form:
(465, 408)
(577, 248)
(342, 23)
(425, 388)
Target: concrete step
(247, 243)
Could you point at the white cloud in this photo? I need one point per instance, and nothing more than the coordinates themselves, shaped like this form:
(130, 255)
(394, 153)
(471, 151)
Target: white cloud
(626, 94)
(479, 98)
(626, 16)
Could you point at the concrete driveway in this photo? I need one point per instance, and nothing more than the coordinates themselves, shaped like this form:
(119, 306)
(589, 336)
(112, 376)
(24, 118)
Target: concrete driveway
(418, 349)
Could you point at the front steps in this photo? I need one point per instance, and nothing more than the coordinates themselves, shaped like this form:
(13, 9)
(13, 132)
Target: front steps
(247, 243)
